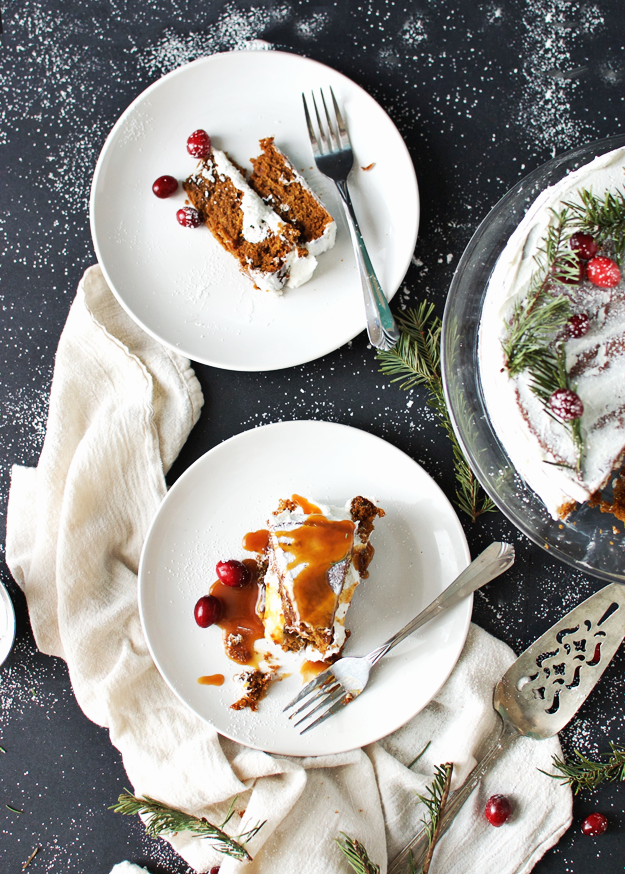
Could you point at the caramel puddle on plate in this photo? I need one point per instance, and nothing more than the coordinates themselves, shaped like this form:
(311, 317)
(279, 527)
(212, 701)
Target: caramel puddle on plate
(211, 680)
(310, 670)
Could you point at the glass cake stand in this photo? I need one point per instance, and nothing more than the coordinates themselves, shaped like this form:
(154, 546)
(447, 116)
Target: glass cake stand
(589, 540)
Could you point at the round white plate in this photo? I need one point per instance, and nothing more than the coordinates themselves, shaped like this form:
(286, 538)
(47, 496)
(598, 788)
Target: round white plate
(419, 549)
(179, 284)
(7, 624)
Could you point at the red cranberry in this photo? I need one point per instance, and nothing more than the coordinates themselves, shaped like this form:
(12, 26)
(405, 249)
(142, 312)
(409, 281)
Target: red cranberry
(207, 611)
(199, 144)
(566, 404)
(497, 810)
(215, 870)
(595, 824)
(189, 217)
(603, 272)
(584, 245)
(578, 325)
(572, 277)
(233, 573)
(165, 186)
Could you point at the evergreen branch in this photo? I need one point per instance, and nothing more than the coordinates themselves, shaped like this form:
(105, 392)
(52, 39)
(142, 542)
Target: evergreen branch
(161, 819)
(603, 218)
(584, 773)
(416, 360)
(356, 855)
(544, 311)
(435, 801)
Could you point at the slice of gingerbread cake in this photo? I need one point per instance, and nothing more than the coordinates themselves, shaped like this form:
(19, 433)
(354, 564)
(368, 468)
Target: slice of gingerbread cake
(269, 250)
(317, 555)
(277, 181)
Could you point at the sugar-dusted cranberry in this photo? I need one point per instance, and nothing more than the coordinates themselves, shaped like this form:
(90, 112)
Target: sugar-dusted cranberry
(497, 810)
(233, 573)
(165, 186)
(595, 824)
(207, 611)
(566, 404)
(199, 144)
(603, 272)
(584, 245)
(578, 325)
(189, 217)
(573, 275)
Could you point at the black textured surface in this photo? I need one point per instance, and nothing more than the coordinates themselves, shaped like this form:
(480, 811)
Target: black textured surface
(482, 95)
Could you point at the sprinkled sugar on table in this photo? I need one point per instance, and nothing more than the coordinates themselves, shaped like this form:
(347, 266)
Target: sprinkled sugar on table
(481, 97)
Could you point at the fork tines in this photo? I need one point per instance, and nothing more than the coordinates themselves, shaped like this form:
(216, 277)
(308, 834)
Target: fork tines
(327, 691)
(336, 139)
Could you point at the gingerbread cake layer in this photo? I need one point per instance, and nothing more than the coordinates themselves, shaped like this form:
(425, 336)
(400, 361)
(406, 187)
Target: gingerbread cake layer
(277, 181)
(267, 248)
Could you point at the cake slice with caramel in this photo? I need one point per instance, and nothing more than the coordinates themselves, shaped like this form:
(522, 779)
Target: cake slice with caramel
(316, 556)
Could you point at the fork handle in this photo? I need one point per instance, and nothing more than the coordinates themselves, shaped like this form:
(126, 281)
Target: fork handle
(381, 328)
(495, 559)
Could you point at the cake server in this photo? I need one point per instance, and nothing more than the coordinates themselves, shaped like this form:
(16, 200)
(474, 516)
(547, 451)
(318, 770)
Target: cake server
(346, 679)
(541, 692)
(334, 157)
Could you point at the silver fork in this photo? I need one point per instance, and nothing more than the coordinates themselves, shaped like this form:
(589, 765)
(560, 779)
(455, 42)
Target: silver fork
(334, 157)
(346, 679)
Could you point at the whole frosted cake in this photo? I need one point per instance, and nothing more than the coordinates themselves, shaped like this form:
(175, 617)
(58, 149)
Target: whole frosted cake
(552, 341)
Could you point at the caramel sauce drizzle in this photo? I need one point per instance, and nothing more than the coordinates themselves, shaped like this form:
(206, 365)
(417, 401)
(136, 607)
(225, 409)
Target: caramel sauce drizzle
(239, 617)
(317, 544)
(305, 505)
(211, 680)
(256, 541)
(310, 670)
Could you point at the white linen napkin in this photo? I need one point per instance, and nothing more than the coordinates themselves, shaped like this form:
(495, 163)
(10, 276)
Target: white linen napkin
(121, 408)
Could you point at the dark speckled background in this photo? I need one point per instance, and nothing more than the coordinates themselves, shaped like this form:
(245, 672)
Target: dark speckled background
(482, 95)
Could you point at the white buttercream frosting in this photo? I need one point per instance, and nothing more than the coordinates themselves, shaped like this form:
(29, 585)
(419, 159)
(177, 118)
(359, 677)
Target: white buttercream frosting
(596, 362)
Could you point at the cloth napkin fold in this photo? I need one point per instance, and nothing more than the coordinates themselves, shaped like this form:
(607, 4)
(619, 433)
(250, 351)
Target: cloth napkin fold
(121, 407)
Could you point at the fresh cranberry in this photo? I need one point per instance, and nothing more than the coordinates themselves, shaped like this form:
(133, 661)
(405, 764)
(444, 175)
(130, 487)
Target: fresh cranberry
(572, 277)
(165, 186)
(584, 245)
(233, 573)
(207, 611)
(215, 870)
(603, 272)
(497, 810)
(578, 325)
(595, 824)
(199, 144)
(566, 404)
(188, 217)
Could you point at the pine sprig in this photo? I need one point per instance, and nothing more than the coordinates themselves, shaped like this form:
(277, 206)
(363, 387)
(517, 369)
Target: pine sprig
(416, 361)
(356, 855)
(162, 819)
(603, 218)
(435, 801)
(544, 311)
(584, 773)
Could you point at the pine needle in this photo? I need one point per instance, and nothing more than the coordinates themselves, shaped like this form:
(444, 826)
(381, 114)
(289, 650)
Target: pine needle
(435, 801)
(161, 819)
(356, 855)
(584, 773)
(416, 361)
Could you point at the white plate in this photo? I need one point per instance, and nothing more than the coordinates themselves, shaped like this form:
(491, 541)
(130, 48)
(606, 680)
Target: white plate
(178, 283)
(419, 549)
(7, 624)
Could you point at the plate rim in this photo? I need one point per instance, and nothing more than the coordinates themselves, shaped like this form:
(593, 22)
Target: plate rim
(108, 145)
(143, 576)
